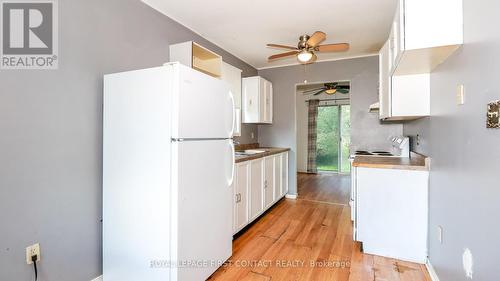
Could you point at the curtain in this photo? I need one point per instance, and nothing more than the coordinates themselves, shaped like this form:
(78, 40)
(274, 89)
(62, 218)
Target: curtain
(312, 136)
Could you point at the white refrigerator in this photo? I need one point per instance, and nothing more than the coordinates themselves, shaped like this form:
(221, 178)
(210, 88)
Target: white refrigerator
(168, 164)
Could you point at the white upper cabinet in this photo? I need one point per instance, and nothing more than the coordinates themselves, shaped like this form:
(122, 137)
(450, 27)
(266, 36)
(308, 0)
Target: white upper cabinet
(232, 76)
(257, 100)
(198, 57)
(384, 82)
(425, 33)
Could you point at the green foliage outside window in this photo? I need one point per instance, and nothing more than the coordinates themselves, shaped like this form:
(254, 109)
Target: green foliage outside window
(328, 138)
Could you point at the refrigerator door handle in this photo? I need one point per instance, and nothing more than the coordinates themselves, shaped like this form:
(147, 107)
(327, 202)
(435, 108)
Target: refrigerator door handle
(234, 114)
(233, 162)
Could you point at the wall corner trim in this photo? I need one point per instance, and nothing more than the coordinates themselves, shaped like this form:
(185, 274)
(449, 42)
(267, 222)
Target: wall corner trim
(99, 278)
(432, 272)
(291, 196)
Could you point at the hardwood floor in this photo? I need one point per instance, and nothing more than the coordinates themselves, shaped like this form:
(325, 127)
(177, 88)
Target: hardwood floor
(307, 239)
(329, 188)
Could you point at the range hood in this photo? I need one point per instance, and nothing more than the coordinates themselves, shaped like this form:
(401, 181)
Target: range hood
(374, 107)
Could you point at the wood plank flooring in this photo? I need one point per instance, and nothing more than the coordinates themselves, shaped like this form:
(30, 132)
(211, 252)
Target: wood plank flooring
(329, 188)
(311, 239)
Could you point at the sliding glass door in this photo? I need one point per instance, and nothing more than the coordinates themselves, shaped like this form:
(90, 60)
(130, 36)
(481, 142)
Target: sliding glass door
(333, 138)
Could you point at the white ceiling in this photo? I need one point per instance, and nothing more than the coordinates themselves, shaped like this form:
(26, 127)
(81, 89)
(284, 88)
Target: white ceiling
(243, 28)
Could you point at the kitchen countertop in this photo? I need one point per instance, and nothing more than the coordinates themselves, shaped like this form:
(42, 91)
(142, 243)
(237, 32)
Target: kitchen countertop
(269, 151)
(416, 162)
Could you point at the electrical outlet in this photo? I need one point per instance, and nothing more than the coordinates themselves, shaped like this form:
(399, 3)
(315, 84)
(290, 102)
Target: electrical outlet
(31, 251)
(460, 95)
(440, 234)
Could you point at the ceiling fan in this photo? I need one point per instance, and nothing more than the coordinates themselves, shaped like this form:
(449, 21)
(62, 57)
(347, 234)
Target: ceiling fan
(329, 89)
(308, 45)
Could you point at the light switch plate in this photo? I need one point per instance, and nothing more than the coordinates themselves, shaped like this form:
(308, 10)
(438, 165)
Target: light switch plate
(440, 234)
(31, 251)
(460, 95)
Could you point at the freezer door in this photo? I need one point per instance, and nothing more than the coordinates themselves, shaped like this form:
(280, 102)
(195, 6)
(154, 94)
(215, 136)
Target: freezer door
(202, 219)
(203, 106)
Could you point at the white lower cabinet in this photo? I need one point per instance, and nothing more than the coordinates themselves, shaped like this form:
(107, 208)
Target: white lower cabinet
(240, 185)
(268, 181)
(284, 174)
(258, 184)
(391, 212)
(277, 177)
(256, 188)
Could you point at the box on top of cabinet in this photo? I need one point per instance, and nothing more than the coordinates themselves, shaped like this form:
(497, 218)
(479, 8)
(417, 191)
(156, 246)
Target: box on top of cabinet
(197, 57)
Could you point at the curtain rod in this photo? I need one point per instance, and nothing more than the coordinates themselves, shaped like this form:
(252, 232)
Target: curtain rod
(329, 99)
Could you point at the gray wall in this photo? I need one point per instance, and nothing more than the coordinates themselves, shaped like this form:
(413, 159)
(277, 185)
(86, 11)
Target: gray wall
(50, 139)
(464, 182)
(366, 130)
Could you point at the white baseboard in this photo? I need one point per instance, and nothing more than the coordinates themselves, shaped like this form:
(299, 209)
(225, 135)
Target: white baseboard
(97, 278)
(431, 271)
(291, 196)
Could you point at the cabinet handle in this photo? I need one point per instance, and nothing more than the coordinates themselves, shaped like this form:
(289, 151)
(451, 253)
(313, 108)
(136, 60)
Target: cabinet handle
(265, 184)
(238, 198)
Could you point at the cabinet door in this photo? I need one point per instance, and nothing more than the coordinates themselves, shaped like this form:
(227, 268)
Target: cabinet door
(268, 181)
(241, 196)
(384, 82)
(237, 123)
(284, 174)
(410, 95)
(268, 102)
(232, 76)
(262, 100)
(256, 188)
(250, 95)
(278, 179)
(398, 34)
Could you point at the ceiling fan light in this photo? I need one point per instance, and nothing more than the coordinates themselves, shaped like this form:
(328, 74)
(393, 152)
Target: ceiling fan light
(305, 56)
(331, 91)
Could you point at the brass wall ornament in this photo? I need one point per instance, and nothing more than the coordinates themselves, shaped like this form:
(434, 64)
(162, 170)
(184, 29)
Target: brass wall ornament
(493, 115)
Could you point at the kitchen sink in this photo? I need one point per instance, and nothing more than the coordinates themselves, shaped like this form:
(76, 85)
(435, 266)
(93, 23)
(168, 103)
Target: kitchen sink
(249, 152)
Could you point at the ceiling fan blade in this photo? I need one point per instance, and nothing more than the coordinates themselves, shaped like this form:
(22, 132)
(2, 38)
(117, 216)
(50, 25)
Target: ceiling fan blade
(282, 55)
(332, 47)
(316, 38)
(319, 92)
(343, 91)
(281, 46)
(313, 90)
